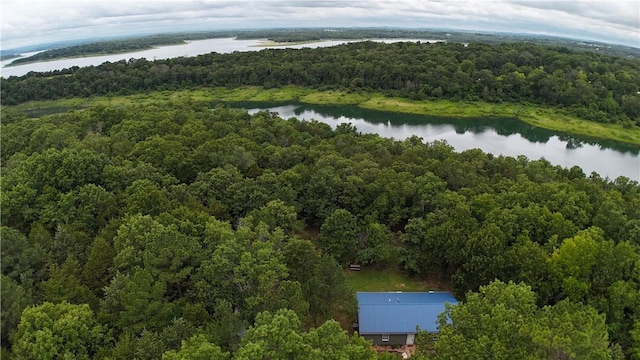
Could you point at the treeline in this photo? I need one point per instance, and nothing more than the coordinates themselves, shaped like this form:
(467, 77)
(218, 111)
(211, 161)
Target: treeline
(306, 34)
(170, 229)
(294, 35)
(591, 86)
(103, 47)
(118, 46)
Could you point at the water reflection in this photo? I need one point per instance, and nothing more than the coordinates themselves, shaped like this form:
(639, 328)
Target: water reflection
(505, 136)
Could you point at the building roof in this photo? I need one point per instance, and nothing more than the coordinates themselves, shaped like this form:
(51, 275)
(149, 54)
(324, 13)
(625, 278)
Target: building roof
(400, 312)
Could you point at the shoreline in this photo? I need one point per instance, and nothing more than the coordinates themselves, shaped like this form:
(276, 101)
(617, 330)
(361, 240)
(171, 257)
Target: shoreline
(270, 43)
(538, 116)
(13, 64)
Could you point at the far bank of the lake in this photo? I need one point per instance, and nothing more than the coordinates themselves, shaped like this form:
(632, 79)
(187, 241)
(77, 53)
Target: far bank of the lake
(90, 55)
(542, 117)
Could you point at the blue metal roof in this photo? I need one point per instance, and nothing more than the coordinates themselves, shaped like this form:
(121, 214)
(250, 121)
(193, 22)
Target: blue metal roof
(400, 312)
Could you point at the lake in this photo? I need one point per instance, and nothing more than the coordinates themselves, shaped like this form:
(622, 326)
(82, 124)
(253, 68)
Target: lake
(191, 48)
(508, 137)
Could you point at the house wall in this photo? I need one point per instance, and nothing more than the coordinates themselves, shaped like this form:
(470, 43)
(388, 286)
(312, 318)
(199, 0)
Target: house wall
(394, 339)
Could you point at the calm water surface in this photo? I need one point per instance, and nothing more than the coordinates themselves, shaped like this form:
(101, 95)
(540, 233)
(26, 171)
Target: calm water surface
(508, 137)
(191, 48)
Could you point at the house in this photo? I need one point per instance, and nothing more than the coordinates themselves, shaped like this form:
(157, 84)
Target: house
(391, 318)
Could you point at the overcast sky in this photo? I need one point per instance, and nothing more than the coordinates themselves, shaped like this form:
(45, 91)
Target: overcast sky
(30, 22)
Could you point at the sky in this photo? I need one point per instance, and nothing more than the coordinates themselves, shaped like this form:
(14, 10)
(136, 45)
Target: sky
(32, 22)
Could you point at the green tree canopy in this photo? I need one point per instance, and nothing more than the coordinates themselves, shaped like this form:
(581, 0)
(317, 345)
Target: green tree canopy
(60, 331)
(502, 321)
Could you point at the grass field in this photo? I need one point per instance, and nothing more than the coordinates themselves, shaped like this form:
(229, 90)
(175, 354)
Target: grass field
(543, 117)
(389, 279)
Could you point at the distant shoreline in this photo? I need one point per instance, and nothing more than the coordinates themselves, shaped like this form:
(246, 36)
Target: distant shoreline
(268, 43)
(93, 54)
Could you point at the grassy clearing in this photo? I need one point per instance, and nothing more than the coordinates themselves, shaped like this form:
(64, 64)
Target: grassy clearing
(547, 118)
(335, 98)
(389, 279)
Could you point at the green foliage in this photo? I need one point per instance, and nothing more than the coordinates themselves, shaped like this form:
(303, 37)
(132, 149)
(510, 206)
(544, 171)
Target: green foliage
(64, 284)
(375, 245)
(226, 325)
(13, 299)
(277, 214)
(330, 341)
(278, 336)
(97, 271)
(571, 330)
(20, 261)
(94, 218)
(136, 301)
(274, 336)
(196, 348)
(589, 85)
(339, 235)
(58, 331)
(503, 322)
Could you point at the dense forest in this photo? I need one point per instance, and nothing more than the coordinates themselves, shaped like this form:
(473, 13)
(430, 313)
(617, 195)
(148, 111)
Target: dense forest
(178, 231)
(588, 85)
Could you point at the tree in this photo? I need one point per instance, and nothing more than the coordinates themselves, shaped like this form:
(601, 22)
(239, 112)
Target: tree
(329, 341)
(136, 301)
(165, 252)
(635, 336)
(247, 270)
(226, 325)
(60, 331)
(375, 246)
(435, 242)
(277, 214)
(197, 348)
(19, 260)
(90, 205)
(323, 283)
(144, 197)
(570, 330)
(502, 321)
(64, 284)
(319, 196)
(13, 299)
(98, 270)
(274, 336)
(339, 235)
(279, 336)
(488, 324)
(610, 216)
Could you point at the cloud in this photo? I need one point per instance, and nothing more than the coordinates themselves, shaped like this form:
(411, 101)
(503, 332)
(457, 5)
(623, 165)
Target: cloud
(40, 21)
(623, 13)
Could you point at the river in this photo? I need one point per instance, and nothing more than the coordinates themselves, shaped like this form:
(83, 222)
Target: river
(508, 137)
(191, 48)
